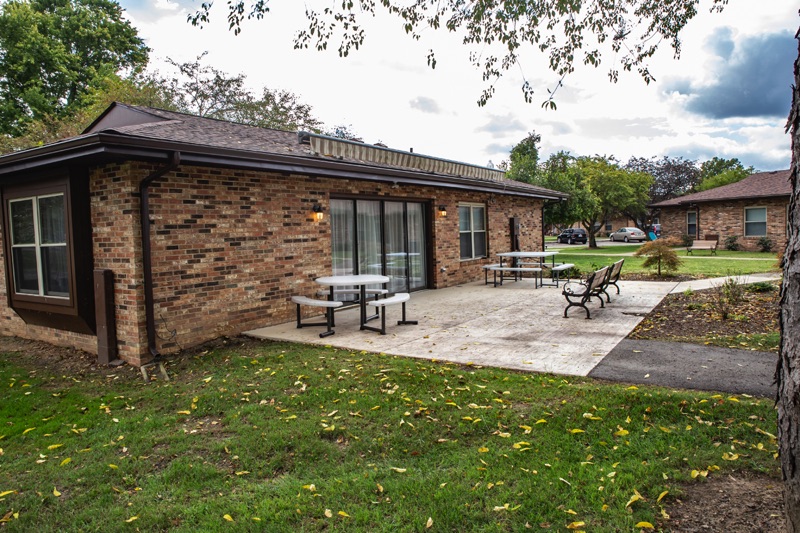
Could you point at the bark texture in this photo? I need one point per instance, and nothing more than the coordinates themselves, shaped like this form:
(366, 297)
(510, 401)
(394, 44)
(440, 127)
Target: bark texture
(788, 371)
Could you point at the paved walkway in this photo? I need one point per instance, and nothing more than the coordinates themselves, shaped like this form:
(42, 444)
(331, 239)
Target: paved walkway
(514, 326)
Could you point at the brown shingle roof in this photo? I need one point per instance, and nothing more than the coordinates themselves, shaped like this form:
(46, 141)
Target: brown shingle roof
(759, 185)
(201, 133)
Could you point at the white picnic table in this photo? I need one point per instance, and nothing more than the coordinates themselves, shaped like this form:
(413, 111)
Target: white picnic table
(354, 280)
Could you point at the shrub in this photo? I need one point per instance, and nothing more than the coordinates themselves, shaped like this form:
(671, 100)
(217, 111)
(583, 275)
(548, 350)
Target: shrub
(727, 295)
(686, 240)
(761, 286)
(732, 243)
(660, 253)
(765, 244)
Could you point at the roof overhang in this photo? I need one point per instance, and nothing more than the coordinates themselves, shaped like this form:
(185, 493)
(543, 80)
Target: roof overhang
(97, 148)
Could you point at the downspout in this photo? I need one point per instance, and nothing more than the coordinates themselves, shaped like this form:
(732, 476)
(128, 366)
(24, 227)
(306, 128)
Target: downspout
(147, 262)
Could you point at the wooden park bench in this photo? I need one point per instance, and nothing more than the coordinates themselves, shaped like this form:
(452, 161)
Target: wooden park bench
(702, 245)
(612, 278)
(579, 293)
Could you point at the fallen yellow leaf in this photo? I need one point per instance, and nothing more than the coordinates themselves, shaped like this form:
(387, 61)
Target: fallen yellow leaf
(65, 461)
(131, 519)
(6, 493)
(56, 493)
(228, 517)
(342, 513)
(399, 470)
(429, 523)
(661, 496)
(328, 513)
(54, 446)
(645, 525)
(483, 449)
(576, 525)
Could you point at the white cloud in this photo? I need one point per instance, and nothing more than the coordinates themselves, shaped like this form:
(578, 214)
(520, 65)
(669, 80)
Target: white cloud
(386, 90)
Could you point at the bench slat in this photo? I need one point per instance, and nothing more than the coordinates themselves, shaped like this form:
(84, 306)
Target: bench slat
(304, 300)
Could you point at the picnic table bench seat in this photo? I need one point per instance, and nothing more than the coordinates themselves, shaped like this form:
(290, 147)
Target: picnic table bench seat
(702, 245)
(557, 269)
(329, 306)
(382, 304)
(515, 270)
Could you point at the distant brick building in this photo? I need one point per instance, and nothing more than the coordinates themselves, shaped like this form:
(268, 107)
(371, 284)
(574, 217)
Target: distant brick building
(157, 230)
(750, 209)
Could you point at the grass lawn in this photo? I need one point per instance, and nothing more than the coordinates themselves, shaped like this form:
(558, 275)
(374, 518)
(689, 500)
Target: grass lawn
(701, 264)
(285, 437)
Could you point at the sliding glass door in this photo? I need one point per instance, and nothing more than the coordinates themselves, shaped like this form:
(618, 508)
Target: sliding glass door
(381, 237)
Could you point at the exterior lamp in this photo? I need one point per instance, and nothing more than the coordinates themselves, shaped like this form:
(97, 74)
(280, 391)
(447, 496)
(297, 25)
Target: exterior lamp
(318, 214)
(442, 210)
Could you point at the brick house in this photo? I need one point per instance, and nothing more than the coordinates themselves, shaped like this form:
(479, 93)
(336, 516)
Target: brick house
(155, 231)
(750, 209)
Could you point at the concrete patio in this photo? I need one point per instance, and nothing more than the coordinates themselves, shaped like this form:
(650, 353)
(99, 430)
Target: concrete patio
(511, 326)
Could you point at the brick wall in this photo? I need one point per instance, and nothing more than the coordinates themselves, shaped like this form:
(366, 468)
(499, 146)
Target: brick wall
(726, 219)
(230, 247)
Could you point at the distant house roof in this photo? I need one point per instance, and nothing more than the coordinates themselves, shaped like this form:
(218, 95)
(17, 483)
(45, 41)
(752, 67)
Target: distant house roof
(137, 132)
(760, 185)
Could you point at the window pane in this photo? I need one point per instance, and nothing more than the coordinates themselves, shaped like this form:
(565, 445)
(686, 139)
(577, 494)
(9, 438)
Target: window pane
(466, 246)
(756, 215)
(369, 237)
(478, 220)
(480, 244)
(22, 222)
(51, 220)
(417, 246)
(464, 218)
(342, 236)
(26, 279)
(54, 271)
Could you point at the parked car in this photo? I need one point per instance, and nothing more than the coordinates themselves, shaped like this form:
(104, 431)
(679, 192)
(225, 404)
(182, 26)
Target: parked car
(627, 234)
(573, 235)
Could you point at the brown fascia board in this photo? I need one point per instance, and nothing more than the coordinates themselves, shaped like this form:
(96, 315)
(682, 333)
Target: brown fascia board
(111, 146)
(684, 203)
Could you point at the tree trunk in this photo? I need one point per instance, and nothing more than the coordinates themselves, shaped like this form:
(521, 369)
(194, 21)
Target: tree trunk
(787, 374)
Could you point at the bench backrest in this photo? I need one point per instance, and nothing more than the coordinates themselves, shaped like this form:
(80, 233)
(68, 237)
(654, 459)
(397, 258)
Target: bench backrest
(616, 268)
(598, 279)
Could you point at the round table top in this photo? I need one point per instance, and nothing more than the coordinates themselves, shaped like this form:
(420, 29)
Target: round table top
(353, 279)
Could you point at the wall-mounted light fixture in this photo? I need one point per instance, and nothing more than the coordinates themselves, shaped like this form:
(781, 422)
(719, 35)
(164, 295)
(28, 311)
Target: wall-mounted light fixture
(318, 214)
(442, 210)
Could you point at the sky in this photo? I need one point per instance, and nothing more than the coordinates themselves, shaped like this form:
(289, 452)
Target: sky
(728, 95)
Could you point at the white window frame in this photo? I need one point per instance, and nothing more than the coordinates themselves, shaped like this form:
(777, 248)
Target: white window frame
(37, 245)
(694, 234)
(472, 230)
(745, 221)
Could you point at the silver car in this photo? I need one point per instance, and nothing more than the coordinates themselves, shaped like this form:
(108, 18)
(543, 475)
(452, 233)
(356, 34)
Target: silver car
(628, 234)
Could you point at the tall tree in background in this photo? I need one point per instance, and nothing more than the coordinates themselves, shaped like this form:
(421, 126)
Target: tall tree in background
(524, 161)
(612, 190)
(717, 172)
(208, 92)
(53, 53)
(137, 89)
(672, 177)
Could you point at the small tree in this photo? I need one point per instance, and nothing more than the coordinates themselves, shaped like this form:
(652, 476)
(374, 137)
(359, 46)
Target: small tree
(660, 253)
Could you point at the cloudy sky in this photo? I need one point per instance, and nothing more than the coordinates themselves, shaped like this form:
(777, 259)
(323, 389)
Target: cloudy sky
(728, 95)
